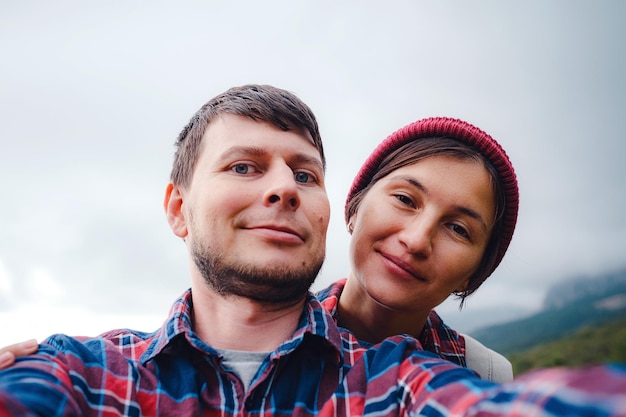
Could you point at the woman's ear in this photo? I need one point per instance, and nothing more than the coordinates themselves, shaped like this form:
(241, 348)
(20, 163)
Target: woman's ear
(173, 205)
(350, 225)
(462, 287)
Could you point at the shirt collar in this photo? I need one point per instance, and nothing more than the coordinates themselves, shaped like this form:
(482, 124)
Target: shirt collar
(315, 323)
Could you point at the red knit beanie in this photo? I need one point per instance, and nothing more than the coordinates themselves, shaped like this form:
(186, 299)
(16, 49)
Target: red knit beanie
(464, 132)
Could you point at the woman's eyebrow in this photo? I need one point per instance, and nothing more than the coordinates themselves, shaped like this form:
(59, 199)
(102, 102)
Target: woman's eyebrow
(411, 180)
(473, 214)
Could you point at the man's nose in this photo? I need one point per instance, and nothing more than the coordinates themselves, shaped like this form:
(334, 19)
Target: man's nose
(282, 188)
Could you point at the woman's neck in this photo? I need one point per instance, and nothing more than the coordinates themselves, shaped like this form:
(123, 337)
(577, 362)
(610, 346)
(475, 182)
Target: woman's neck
(371, 321)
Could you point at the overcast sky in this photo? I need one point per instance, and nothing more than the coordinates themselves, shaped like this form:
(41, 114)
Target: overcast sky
(93, 95)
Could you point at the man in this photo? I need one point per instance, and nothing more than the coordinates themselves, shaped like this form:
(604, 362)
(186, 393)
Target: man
(247, 197)
(9, 353)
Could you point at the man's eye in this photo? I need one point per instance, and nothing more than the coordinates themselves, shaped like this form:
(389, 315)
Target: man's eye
(241, 168)
(303, 177)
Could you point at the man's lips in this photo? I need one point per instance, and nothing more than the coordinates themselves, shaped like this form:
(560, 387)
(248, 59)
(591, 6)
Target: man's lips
(398, 263)
(277, 232)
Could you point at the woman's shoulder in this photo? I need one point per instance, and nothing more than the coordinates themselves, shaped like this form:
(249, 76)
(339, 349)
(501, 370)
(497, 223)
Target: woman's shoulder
(488, 363)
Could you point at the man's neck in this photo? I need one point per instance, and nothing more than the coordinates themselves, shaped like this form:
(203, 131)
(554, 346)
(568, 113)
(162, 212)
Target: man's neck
(237, 323)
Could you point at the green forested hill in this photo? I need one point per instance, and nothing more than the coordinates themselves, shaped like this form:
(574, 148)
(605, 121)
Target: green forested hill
(601, 344)
(546, 326)
(569, 306)
(583, 322)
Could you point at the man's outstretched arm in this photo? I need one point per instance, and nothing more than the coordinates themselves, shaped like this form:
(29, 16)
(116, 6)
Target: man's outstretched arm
(9, 353)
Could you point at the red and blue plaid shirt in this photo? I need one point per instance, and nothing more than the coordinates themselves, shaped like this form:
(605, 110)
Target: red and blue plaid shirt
(321, 370)
(436, 336)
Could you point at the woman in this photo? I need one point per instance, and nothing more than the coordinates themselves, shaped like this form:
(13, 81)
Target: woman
(431, 213)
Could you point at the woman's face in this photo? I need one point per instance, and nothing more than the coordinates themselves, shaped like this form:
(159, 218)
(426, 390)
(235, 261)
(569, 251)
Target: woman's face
(421, 231)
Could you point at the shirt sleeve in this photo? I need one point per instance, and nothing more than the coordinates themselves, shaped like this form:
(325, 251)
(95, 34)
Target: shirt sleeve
(435, 388)
(39, 385)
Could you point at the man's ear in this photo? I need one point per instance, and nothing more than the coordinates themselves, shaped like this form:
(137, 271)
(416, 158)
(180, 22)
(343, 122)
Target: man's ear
(173, 205)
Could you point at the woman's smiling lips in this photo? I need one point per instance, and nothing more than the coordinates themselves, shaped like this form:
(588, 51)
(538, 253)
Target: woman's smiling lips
(399, 267)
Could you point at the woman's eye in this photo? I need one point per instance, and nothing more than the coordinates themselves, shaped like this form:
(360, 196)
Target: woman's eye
(404, 199)
(460, 230)
(303, 177)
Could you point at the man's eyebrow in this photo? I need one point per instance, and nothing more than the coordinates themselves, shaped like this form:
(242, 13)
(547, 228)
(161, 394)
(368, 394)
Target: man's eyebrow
(465, 210)
(237, 151)
(308, 160)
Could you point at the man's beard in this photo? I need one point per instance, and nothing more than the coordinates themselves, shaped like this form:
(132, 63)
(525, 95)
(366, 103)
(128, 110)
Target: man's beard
(267, 284)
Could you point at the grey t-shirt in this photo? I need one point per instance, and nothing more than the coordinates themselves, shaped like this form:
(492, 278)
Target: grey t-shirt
(244, 364)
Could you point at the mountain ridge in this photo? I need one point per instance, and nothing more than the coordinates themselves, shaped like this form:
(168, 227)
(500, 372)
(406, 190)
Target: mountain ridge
(568, 306)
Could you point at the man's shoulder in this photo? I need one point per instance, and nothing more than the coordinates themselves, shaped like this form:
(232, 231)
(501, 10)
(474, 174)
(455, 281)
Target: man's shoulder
(127, 343)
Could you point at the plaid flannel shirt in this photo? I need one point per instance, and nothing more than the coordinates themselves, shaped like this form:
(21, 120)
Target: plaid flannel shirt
(436, 337)
(321, 370)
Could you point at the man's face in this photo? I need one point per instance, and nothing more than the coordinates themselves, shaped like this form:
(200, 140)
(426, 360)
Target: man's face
(256, 212)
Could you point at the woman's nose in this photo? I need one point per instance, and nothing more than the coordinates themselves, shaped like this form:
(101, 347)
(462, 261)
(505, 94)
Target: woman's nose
(417, 235)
